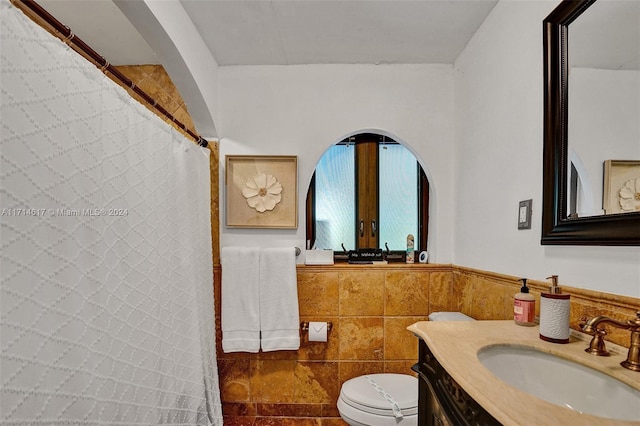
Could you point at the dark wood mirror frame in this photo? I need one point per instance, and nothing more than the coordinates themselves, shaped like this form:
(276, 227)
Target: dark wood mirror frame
(557, 228)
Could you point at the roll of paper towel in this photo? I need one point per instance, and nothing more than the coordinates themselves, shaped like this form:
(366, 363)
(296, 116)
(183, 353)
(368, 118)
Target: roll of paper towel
(317, 331)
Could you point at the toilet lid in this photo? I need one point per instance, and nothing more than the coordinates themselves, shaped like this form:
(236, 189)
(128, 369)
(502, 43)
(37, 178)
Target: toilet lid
(377, 393)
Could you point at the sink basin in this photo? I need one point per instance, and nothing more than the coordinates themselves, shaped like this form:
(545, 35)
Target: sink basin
(562, 382)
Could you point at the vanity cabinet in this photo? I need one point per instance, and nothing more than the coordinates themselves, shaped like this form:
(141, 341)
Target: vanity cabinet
(441, 401)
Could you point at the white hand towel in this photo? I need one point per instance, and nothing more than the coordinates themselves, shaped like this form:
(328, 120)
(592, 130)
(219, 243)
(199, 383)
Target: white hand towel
(279, 317)
(240, 308)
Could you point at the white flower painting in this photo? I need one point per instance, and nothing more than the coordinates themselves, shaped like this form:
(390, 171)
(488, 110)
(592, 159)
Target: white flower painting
(630, 195)
(262, 192)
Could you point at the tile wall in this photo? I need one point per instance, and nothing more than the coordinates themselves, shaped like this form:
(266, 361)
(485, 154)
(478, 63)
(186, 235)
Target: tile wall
(487, 295)
(370, 308)
(154, 81)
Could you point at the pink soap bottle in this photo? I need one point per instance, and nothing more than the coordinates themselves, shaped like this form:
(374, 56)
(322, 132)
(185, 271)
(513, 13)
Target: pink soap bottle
(524, 306)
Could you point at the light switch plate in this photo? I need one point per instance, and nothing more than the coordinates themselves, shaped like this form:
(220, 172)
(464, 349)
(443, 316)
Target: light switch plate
(524, 214)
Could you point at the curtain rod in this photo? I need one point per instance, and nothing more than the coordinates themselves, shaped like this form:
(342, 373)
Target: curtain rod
(31, 8)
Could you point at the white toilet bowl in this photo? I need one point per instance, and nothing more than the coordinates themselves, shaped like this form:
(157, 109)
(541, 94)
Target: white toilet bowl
(380, 400)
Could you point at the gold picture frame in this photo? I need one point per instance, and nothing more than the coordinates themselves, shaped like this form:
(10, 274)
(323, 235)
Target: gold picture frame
(617, 174)
(261, 191)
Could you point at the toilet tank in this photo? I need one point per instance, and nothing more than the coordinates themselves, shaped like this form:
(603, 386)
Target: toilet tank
(449, 316)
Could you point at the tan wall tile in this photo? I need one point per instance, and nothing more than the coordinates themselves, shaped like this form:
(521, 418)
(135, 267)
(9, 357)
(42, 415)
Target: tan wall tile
(581, 308)
(362, 293)
(154, 80)
(406, 293)
(463, 294)
(234, 380)
(318, 294)
(276, 355)
(349, 369)
(361, 338)
(272, 380)
(400, 367)
(315, 382)
(440, 288)
(328, 350)
(399, 343)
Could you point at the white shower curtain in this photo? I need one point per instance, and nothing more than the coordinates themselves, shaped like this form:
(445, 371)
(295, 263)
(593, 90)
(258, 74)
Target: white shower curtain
(106, 301)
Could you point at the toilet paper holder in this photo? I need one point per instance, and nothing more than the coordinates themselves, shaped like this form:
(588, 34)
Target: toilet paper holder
(304, 326)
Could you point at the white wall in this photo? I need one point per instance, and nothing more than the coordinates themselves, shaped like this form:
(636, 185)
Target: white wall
(170, 33)
(302, 110)
(498, 160)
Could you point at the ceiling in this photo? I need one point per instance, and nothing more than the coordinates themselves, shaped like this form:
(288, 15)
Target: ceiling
(287, 32)
(190, 37)
(607, 35)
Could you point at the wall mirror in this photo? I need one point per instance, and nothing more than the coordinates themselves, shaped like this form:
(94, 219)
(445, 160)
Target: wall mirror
(591, 174)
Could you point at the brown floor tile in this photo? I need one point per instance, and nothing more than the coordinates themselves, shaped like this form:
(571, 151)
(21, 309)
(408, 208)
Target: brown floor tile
(238, 421)
(333, 422)
(239, 409)
(286, 421)
(290, 410)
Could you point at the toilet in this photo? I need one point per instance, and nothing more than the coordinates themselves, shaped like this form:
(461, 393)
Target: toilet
(386, 399)
(449, 316)
(380, 400)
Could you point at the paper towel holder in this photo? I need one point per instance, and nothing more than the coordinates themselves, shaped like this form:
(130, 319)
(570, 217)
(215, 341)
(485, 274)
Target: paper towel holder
(304, 326)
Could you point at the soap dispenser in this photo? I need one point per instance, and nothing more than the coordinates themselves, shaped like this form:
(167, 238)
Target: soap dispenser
(524, 306)
(554, 314)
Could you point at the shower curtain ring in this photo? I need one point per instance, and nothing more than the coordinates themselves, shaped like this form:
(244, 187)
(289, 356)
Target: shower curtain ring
(105, 66)
(70, 37)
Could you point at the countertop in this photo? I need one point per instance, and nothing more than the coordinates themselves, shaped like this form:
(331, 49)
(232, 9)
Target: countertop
(455, 345)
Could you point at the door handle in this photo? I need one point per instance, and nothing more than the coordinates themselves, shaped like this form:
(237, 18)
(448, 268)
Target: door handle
(373, 228)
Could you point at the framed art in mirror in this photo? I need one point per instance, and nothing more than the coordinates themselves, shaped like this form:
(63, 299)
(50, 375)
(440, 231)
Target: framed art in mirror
(621, 186)
(261, 191)
(558, 227)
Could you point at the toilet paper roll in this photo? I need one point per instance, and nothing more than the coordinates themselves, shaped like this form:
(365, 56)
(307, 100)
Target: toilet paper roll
(317, 331)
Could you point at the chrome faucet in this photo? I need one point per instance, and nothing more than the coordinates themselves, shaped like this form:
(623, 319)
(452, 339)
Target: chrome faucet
(597, 347)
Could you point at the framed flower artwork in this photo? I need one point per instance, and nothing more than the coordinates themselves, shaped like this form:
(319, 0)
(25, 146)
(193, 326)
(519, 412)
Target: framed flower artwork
(621, 186)
(261, 191)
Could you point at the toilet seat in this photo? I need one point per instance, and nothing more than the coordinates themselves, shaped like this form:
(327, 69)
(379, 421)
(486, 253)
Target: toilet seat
(369, 400)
